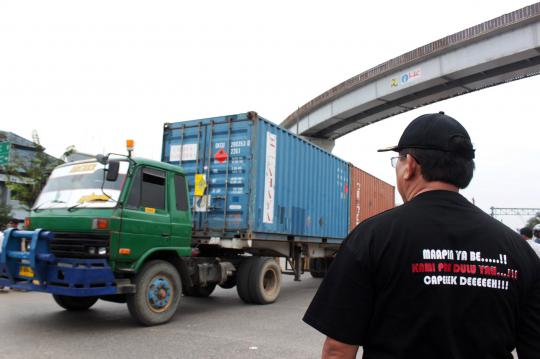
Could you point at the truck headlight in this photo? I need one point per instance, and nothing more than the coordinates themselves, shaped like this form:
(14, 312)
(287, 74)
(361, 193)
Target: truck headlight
(102, 251)
(92, 250)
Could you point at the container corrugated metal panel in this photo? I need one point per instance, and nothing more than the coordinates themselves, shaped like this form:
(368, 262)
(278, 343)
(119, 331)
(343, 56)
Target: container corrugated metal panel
(369, 196)
(260, 179)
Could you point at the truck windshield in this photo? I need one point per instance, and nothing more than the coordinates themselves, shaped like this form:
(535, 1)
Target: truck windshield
(80, 184)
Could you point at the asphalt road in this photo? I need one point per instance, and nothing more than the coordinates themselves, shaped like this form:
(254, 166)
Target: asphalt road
(221, 326)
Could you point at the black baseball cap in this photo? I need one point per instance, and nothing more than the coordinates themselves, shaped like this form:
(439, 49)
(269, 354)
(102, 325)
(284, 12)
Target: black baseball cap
(435, 131)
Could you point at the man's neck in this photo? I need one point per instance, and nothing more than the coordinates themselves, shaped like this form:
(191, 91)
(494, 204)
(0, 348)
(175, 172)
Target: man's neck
(431, 186)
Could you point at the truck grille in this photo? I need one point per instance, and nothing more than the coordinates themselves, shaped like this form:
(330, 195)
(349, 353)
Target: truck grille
(79, 245)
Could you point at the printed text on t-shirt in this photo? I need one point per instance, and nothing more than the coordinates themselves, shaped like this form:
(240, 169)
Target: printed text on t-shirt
(447, 267)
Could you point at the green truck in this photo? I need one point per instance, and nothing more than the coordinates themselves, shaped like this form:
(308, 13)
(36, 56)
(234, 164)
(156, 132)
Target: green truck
(120, 230)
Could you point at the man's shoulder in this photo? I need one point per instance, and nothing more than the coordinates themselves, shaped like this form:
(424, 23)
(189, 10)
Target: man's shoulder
(370, 227)
(535, 246)
(392, 215)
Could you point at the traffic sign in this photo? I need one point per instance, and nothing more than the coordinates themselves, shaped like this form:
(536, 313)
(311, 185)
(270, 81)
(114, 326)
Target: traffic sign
(4, 153)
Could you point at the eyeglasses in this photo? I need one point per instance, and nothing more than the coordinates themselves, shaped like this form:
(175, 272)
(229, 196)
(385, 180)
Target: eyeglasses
(393, 160)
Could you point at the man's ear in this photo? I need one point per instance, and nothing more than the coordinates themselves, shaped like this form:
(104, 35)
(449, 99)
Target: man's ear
(410, 168)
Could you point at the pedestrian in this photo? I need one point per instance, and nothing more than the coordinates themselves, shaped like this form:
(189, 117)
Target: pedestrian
(12, 223)
(2, 288)
(526, 233)
(24, 245)
(536, 233)
(435, 277)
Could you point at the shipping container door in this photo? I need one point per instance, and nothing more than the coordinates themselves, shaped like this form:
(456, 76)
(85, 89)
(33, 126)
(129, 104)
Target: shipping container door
(184, 146)
(215, 155)
(227, 172)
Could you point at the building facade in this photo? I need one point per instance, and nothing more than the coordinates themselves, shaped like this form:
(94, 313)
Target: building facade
(21, 152)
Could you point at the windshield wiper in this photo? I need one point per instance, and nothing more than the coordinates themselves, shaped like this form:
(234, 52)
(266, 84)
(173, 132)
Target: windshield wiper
(76, 206)
(39, 208)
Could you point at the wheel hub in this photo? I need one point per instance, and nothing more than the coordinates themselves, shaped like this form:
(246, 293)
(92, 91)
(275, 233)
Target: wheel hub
(160, 294)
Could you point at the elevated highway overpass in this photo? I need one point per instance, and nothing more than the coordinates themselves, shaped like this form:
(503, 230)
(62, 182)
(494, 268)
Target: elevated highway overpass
(497, 51)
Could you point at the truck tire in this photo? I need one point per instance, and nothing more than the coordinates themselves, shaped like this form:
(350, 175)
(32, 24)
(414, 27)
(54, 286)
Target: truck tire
(74, 303)
(264, 281)
(198, 291)
(158, 293)
(316, 268)
(242, 279)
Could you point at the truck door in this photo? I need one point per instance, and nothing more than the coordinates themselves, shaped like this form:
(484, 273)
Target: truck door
(180, 211)
(146, 221)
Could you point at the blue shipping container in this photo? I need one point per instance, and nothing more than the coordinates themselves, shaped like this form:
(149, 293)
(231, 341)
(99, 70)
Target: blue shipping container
(249, 178)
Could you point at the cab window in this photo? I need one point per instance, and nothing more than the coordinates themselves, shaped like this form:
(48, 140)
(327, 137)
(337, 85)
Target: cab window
(148, 189)
(181, 195)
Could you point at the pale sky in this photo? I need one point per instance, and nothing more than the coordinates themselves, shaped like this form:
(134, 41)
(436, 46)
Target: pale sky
(93, 74)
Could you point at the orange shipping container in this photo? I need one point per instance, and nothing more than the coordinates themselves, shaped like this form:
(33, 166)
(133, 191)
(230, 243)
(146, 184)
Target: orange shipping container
(369, 196)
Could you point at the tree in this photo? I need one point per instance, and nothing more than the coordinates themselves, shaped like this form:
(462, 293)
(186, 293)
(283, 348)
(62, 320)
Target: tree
(27, 176)
(533, 221)
(5, 215)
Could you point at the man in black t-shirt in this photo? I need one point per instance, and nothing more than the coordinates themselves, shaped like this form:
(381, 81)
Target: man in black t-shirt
(435, 277)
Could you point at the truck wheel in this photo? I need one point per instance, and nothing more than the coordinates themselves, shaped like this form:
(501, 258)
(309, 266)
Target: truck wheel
(264, 281)
(316, 268)
(74, 303)
(158, 293)
(229, 283)
(242, 279)
(198, 291)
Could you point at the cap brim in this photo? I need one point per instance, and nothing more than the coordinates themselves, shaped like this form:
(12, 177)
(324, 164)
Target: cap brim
(391, 148)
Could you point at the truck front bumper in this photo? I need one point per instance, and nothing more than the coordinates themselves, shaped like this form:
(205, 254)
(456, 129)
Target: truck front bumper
(71, 277)
(40, 271)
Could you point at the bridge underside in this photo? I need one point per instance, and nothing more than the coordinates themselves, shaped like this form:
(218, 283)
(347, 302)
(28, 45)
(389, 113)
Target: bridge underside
(467, 61)
(438, 90)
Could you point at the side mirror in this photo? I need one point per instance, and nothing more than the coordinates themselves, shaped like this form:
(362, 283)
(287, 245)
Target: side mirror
(112, 171)
(101, 159)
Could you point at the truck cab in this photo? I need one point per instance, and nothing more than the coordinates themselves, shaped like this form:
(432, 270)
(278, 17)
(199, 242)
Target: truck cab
(122, 210)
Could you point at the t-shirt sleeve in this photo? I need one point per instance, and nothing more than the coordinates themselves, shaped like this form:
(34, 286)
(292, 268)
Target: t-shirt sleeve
(528, 338)
(342, 307)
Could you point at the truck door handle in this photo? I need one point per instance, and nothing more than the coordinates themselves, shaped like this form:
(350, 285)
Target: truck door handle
(165, 234)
